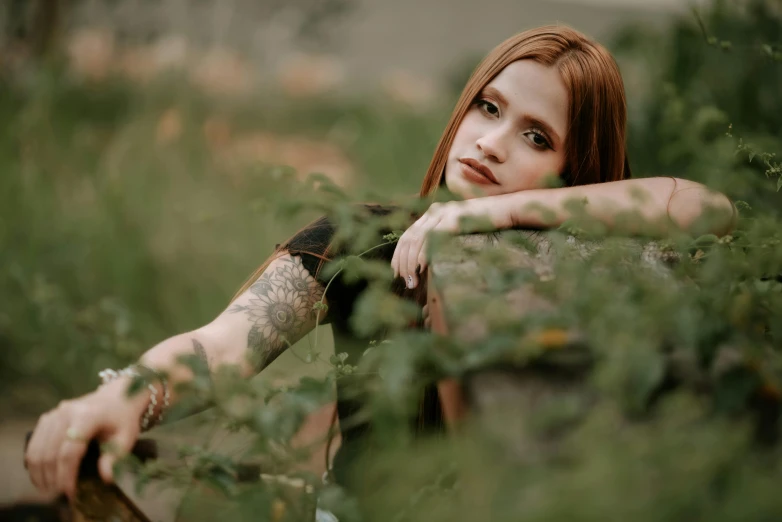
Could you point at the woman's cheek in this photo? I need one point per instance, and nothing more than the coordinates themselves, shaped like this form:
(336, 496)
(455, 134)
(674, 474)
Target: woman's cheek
(547, 166)
(523, 173)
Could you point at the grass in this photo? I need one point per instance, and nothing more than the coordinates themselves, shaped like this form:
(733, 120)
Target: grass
(113, 238)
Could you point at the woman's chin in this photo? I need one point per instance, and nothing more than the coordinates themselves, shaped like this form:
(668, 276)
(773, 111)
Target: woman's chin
(464, 189)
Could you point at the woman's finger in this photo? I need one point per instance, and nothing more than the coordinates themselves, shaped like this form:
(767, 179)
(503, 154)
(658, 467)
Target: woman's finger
(418, 262)
(50, 447)
(411, 259)
(34, 454)
(421, 261)
(417, 234)
(395, 259)
(116, 447)
(402, 247)
(416, 240)
(407, 263)
(401, 251)
(71, 453)
(72, 448)
(425, 313)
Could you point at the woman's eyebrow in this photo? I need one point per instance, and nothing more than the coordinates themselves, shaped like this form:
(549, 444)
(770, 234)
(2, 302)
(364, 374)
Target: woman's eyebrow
(494, 93)
(527, 118)
(545, 127)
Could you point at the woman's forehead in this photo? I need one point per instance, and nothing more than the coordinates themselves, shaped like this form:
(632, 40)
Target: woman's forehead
(536, 90)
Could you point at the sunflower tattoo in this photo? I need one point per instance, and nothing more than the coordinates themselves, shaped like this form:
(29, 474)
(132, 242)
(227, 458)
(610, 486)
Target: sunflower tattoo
(282, 303)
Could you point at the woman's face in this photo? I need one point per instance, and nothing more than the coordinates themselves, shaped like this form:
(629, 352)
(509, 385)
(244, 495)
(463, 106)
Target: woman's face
(513, 135)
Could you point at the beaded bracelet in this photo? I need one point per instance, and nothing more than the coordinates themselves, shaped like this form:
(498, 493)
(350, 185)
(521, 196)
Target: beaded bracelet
(148, 420)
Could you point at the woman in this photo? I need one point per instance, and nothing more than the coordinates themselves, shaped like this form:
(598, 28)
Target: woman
(546, 101)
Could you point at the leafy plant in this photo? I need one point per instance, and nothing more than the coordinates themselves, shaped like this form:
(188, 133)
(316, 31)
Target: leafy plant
(657, 391)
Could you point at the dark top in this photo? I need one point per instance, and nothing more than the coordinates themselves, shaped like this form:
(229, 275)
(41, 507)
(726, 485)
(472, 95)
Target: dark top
(313, 244)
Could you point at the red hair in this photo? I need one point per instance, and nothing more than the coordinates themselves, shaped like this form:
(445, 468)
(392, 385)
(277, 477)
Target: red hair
(595, 149)
(595, 143)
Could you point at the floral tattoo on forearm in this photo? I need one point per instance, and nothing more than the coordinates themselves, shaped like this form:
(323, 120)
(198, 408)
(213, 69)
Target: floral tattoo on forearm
(283, 303)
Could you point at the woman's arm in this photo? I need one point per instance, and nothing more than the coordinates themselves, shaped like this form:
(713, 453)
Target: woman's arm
(275, 312)
(653, 205)
(659, 202)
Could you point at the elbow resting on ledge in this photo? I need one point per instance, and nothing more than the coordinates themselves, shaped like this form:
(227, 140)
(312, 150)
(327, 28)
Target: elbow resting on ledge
(698, 210)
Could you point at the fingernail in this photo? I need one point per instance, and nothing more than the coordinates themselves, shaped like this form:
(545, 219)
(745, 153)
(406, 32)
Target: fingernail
(410, 282)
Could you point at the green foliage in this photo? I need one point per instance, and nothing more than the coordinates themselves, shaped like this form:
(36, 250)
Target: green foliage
(664, 382)
(712, 70)
(112, 240)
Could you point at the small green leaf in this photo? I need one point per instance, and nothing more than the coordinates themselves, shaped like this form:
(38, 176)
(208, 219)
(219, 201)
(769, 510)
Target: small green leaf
(705, 240)
(136, 385)
(393, 236)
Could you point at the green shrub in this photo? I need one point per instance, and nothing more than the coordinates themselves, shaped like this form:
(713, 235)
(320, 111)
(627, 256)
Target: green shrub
(111, 241)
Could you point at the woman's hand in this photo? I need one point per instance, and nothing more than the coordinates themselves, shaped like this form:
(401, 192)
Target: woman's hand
(409, 259)
(427, 317)
(61, 436)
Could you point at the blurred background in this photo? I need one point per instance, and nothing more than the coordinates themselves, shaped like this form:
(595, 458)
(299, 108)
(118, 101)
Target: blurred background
(146, 146)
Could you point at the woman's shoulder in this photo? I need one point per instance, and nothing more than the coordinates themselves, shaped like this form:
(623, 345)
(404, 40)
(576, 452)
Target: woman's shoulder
(325, 226)
(316, 240)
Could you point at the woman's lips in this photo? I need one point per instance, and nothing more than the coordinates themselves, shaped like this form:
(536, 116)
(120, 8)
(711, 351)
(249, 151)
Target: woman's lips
(475, 172)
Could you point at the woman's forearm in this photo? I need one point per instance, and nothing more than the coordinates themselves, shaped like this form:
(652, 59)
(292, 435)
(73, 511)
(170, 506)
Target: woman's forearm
(165, 357)
(657, 204)
(260, 324)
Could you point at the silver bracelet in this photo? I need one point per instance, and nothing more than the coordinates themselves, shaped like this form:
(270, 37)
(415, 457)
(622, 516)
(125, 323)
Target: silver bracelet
(148, 420)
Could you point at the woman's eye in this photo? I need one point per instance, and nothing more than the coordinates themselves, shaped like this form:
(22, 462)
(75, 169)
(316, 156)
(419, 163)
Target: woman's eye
(538, 139)
(488, 107)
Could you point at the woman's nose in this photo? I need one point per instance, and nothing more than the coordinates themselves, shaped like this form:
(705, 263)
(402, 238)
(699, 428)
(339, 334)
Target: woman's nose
(492, 145)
